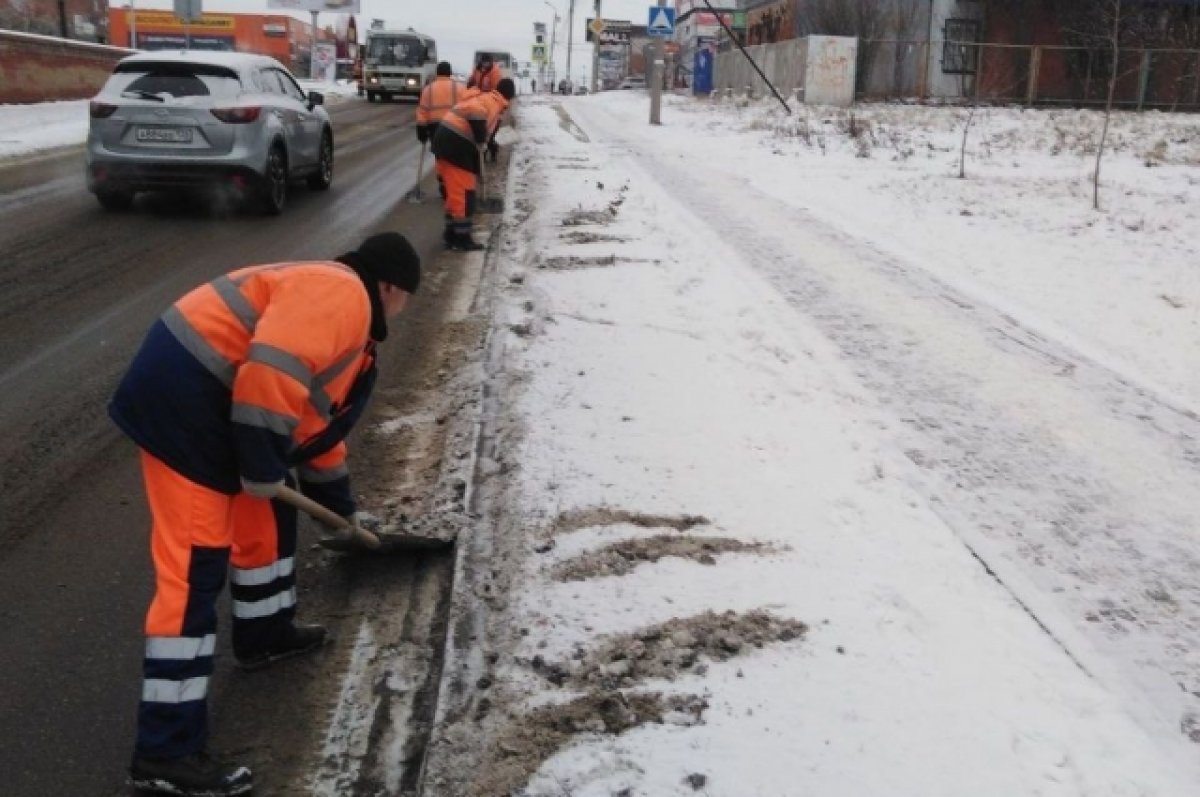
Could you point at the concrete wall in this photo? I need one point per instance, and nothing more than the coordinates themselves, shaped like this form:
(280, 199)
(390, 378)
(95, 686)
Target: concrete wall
(783, 63)
(823, 66)
(39, 68)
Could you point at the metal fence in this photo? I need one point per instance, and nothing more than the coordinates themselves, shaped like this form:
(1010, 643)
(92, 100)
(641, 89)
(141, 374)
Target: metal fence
(1027, 74)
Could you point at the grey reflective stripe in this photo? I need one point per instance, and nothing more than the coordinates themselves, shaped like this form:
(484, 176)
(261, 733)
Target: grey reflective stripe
(180, 648)
(198, 347)
(238, 304)
(263, 419)
(250, 610)
(332, 372)
(282, 361)
(156, 690)
(323, 475)
(321, 402)
(263, 575)
(319, 399)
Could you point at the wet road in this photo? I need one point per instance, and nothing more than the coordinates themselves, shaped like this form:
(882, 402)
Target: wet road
(78, 288)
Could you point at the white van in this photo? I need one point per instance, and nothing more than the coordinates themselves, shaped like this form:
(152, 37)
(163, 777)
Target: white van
(397, 63)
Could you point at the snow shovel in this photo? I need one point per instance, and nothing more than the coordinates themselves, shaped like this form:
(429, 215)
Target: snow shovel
(351, 538)
(487, 204)
(347, 533)
(416, 195)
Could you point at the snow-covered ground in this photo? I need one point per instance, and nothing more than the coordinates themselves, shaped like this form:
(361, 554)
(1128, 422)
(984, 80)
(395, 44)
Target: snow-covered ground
(839, 475)
(27, 129)
(771, 371)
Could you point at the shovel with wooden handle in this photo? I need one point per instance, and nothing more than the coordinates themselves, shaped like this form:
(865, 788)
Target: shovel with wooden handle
(350, 532)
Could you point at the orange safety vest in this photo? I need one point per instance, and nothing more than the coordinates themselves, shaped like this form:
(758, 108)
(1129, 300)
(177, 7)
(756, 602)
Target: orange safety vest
(485, 81)
(442, 94)
(487, 107)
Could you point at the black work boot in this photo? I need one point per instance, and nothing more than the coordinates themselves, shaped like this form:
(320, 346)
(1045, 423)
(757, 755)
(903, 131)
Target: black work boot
(463, 242)
(296, 640)
(448, 237)
(195, 775)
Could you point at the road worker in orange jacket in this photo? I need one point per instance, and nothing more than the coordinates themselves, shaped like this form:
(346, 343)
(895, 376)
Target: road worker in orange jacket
(486, 76)
(246, 384)
(458, 146)
(442, 94)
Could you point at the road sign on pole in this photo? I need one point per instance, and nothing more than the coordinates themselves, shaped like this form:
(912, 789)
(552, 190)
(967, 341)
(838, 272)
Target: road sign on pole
(538, 55)
(188, 10)
(662, 22)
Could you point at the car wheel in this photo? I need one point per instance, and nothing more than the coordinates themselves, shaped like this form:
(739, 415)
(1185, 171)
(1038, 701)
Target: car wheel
(115, 200)
(370, 96)
(273, 192)
(324, 175)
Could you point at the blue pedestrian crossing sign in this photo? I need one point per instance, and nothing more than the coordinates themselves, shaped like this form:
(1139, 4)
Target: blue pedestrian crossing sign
(662, 22)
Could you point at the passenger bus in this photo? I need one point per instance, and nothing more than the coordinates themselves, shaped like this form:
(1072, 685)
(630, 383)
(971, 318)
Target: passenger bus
(397, 63)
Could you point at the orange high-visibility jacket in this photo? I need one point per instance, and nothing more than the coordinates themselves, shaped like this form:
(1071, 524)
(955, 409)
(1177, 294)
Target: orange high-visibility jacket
(485, 81)
(442, 94)
(247, 376)
(476, 118)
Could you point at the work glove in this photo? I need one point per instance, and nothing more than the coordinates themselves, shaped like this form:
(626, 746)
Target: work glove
(422, 133)
(493, 150)
(266, 490)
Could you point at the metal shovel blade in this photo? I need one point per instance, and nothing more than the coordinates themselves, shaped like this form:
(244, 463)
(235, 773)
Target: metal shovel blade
(491, 205)
(389, 542)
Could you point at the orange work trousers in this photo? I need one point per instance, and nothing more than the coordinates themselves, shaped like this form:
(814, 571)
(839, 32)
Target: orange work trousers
(196, 534)
(458, 186)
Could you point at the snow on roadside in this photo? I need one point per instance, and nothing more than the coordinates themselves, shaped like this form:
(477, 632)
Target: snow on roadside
(1120, 285)
(668, 394)
(28, 129)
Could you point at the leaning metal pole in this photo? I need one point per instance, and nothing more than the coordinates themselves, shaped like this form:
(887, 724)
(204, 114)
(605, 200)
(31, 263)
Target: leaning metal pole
(734, 39)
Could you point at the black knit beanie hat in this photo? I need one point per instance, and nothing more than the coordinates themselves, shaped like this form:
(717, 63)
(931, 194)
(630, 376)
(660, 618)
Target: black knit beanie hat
(444, 69)
(507, 88)
(389, 257)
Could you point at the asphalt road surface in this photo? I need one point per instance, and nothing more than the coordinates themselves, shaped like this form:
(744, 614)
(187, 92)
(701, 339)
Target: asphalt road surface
(78, 289)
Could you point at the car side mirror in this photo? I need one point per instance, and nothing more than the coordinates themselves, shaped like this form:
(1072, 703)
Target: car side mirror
(316, 98)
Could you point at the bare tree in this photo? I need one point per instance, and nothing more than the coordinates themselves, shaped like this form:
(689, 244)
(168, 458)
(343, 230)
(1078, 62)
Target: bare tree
(1113, 9)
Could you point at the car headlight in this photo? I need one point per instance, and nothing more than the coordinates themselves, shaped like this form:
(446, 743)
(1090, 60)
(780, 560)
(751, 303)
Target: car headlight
(412, 81)
(374, 80)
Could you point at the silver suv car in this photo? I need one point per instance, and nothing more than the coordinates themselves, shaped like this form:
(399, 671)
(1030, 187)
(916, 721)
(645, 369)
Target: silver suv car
(180, 119)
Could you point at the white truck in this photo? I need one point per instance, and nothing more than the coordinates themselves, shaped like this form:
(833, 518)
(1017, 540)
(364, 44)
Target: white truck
(397, 63)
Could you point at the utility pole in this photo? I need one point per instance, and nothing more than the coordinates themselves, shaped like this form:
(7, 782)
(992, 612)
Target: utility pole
(132, 24)
(596, 50)
(62, 19)
(657, 64)
(570, 34)
(312, 65)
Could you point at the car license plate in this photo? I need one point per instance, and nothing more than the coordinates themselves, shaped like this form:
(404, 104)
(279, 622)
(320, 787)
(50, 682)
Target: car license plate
(165, 135)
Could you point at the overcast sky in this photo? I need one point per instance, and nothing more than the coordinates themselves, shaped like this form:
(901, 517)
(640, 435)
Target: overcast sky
(463, 26)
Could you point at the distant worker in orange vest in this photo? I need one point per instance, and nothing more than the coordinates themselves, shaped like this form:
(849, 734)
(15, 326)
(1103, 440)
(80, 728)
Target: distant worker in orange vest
(487, 77)
(245, 385)
(458, 146)
(442, 94)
